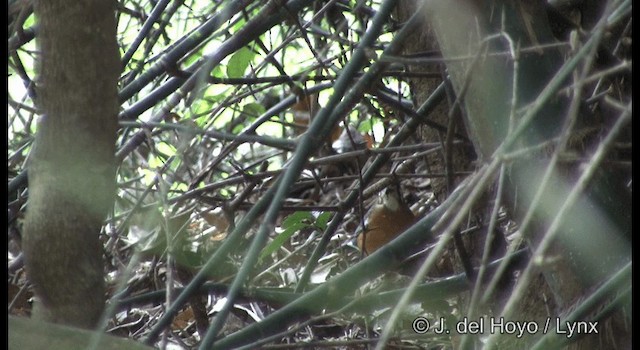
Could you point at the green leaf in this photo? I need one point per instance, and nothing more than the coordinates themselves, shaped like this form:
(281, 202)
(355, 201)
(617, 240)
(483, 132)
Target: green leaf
(239, 25)
(192, 58)
(239, 62)
(299, 217)
(365, 128)
(323, 219)
(217, 72)
(215, 93)
(253, 109)
(165, 150)
(281, 239)
(30, 21)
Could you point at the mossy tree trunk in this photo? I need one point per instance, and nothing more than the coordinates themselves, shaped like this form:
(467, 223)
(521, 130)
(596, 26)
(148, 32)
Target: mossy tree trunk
(72, 163)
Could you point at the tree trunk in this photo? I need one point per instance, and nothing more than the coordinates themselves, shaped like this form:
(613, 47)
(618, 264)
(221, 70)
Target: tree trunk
(455, 157)
(460, 28)
(72, 162)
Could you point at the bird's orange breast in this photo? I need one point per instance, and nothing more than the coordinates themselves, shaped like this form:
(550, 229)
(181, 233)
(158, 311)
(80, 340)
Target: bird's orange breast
(383, 226)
